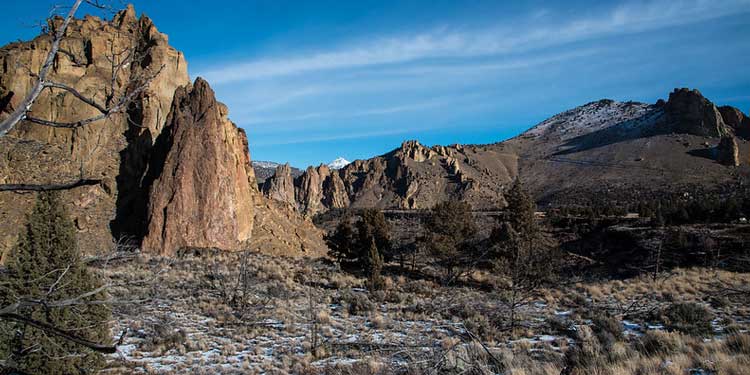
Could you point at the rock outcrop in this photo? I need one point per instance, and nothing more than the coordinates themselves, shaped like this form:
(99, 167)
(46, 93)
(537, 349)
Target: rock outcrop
(737, 120)
(410, 177)
(115, 151)
(689, 112)
(204, 194)
(173, 169)
(280, 186)
(279, 229)
(603, 148)
(310, 193)
(727, 152)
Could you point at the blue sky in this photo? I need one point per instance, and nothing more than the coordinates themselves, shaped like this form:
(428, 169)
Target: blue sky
(314, 80)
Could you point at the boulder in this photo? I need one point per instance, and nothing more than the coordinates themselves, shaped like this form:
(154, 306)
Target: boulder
(204, 192)
(727, 152)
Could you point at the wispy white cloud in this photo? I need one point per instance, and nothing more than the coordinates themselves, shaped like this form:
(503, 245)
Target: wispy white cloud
(530, 35)
(334, 137)
(349, 113)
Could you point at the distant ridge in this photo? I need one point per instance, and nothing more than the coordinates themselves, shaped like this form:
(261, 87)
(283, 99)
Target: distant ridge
(625, 151)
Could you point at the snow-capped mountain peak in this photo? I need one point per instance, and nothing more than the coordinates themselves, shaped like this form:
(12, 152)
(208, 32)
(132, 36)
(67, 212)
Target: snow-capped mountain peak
(338, 163)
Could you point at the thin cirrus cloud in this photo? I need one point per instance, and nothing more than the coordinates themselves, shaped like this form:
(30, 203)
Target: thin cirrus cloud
(624, 19)
(387, 110)
(256, 108)
(492, 80)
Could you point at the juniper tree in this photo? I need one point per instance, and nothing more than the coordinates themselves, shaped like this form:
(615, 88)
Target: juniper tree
(374, 266)
(342, 241)
(523, 254)
(374, 227)
(449, 233)
(45, 267)
(354, 248)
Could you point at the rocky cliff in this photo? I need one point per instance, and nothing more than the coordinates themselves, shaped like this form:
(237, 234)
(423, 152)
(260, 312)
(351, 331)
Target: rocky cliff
(280, 185)
(689, 112)
(174, 171)
(728, 152)
(115, 150)
(204, 188)
(412, 176)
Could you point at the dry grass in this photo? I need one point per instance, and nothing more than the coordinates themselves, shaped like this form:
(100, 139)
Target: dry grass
(308, 317)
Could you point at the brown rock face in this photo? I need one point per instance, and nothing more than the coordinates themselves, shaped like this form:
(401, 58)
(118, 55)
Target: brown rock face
(410, 177)
(688, 112)
(309, 194)
(334, 192)
(112, 150)
(736, 120)
(280, 186)
(204, 196)
(279, 229)
(727, 152)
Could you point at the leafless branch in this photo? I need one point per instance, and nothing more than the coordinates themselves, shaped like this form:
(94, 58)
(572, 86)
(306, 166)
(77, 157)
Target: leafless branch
(51, 329)
(50, 187)
(21, 112)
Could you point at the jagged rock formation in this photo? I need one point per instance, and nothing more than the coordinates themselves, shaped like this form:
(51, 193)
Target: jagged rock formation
(204, 195)
(175, 171)
(280, 186)
(688, 112)
(736, 120)
(266, 169)
(113, 150)
(410, 177)
(310, 193)
(335, 195)
(727, 152)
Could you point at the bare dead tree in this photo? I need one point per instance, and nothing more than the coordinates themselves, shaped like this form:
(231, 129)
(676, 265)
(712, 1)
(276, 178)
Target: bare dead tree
(114, 103)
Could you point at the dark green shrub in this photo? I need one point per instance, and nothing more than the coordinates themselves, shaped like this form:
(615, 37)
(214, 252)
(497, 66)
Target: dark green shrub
(356, 303)
(689, 318)
(608, 329)
(449, 233)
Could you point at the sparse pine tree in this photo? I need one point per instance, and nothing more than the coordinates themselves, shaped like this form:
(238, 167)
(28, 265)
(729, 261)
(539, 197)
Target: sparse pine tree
(374, 227)
(352, 248)
(450, 231)
(374, 266)
(342, 242)
(45, 265)
(524, 255)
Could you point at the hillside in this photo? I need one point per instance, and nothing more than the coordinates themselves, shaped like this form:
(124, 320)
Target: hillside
(631, 150)
(626, 151)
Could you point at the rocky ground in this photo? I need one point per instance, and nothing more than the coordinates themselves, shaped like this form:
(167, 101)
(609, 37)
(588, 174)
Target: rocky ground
(251, 313)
